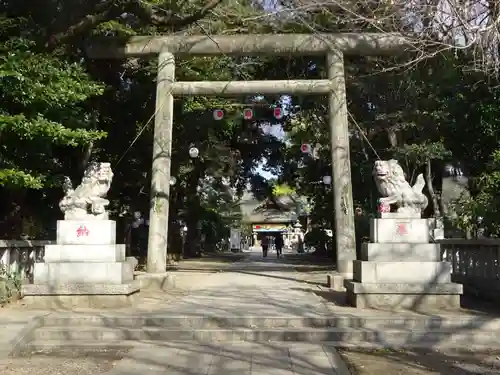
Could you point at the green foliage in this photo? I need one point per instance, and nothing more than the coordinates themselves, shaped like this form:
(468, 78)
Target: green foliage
(17, 178)
(283, 190)
(10, 285)
(418, 154)
(435, 111)
(60, 108)
(481, 210)
(316, 238)
(43, 113)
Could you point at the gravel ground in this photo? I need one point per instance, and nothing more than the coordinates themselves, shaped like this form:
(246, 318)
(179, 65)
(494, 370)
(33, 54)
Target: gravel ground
(420, 362)
(62, 362)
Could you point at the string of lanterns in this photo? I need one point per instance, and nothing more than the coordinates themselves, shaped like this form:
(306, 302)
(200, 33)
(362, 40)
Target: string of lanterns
(248, 113)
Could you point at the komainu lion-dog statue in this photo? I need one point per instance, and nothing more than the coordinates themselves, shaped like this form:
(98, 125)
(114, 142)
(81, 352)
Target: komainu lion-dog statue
(87, 201)
(395, 190)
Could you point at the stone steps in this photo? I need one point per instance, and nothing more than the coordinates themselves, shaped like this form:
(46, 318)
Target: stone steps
(119, 337)
(373, 330)
(370, 321)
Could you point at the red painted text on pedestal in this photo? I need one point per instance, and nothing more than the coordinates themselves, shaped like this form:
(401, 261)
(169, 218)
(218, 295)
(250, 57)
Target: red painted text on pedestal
(82, 231)
(402, 229)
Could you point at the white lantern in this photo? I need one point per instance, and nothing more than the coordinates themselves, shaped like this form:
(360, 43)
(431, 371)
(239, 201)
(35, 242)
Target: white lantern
(327, 180)
(278, 113)
(218, 114)
(173, 180)
(193, 152)
(247, 113)
(305, 148)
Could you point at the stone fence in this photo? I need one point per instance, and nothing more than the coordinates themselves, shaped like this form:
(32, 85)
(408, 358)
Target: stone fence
(17, 257)
(476, 263)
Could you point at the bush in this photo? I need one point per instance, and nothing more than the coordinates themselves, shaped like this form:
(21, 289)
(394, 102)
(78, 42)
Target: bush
(318, 239)
(10, 286)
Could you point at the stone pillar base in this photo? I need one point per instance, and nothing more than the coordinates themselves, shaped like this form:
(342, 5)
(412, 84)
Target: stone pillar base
(155, 281)
(400, 269)
(417, 297)
(85, 269)
(335, 281)
(70, 296)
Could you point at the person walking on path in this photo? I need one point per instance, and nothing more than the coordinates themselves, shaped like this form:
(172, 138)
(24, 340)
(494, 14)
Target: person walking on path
(136, 235)
(265, 246)
(278, 242)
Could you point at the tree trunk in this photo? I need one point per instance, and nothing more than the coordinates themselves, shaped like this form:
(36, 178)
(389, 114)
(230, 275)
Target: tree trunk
(392, 136)
(191, 246)
(428, 180)
(85, 157)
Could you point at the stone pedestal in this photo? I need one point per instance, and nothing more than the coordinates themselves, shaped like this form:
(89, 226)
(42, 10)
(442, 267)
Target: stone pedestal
(86, 268)
(401, 269)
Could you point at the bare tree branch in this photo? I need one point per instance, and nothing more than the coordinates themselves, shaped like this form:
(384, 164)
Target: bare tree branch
(105, 11)
(439, 25)
(110, 10)
(151, 14)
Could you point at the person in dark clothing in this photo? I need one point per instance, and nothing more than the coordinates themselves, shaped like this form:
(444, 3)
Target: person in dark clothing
(265, 245)
(136, 233)
(278, 242)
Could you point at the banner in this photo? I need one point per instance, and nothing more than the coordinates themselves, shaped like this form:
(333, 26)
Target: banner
(278, 227)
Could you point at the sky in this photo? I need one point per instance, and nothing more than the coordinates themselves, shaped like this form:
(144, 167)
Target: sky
(275, 130)
(279, 133)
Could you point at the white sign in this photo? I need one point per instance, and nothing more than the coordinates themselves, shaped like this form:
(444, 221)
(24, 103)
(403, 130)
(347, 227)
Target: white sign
(235, 239)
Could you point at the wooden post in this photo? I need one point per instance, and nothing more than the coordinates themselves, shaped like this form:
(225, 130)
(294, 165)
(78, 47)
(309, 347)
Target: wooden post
(160, 174)
(341, 164)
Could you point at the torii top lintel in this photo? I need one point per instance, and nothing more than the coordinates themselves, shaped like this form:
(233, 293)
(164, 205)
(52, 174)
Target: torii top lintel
(252, 44)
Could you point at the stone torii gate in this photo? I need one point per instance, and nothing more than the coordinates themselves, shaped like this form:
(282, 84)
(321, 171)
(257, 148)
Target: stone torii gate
(333, 46)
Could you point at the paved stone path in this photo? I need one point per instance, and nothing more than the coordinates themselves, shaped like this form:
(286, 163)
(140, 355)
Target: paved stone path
(229, 359)
(13, 327)
(256, 287)
(253, 287)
